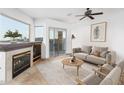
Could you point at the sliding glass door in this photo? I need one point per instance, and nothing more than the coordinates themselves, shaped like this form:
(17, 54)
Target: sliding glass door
(57, 41)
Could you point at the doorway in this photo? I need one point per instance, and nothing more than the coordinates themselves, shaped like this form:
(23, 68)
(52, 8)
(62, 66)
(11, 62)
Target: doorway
(57, 41)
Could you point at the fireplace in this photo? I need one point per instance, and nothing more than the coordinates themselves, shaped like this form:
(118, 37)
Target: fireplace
(36, 51)
(20, 63)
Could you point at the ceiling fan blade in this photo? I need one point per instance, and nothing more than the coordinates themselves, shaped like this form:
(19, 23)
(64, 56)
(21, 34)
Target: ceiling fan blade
(79, 15)
(87, 8)
(91, 17)
(100, 13)
(82, 17)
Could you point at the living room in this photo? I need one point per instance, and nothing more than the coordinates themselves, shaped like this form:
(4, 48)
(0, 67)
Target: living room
(48, 46)
(61, 33)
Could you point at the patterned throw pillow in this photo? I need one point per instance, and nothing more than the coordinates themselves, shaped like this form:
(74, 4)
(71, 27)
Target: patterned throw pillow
(102, 51)
(76, 50)
(97, 53)
(94, 50)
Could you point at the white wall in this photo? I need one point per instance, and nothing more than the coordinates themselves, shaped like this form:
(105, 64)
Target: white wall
(115, 31)
(2, 67)
(53, 23)
(15, 13)
(116, 36)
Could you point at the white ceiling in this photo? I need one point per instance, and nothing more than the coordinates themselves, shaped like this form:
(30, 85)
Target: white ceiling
(61, 14)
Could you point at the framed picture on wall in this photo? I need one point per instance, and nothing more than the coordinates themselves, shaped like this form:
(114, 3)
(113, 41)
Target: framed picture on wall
(98, 32)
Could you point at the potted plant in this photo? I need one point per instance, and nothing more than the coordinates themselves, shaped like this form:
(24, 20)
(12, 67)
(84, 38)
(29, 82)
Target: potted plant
(12, 34)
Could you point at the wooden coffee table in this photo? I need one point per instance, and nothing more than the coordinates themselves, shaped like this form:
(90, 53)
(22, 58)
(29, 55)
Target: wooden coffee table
(77, 63)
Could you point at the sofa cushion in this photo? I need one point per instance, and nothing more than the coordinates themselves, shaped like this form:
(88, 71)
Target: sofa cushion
(94, 49)
(76, 50)
(81, 55)
(95, 59)
(86, 49)
(102, 50)
(92, 79)
(103, 54)
(97, 53)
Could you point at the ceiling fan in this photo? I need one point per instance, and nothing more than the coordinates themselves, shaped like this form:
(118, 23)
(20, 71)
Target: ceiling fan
(89, 14)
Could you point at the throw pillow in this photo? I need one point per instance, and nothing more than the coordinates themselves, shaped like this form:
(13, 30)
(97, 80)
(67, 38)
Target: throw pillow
(103, 54)
(76, 50)
(86, 49)
(97, 53)
(103, 51)
(94, 49)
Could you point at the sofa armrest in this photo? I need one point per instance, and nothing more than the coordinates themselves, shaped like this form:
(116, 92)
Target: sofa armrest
(108, 58)
(111, 58)
(76, 50)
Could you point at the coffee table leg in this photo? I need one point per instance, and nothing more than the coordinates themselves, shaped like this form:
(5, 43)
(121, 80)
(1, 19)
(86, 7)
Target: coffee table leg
(77, 79)
(63, 66)
(78, 71)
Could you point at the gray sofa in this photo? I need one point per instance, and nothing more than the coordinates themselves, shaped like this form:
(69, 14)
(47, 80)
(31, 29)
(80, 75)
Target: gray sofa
(96, 55)
(112, 78)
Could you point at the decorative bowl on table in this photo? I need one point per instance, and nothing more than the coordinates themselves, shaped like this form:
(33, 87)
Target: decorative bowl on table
(73, 59)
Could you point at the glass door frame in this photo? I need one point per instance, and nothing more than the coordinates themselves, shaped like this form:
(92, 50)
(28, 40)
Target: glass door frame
(54, 30)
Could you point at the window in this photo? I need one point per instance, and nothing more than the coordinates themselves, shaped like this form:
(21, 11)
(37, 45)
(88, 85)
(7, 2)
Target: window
(10, 24)
(39, 33)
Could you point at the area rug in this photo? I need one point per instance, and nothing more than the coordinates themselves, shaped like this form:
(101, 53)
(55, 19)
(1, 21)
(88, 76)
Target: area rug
(54, 73)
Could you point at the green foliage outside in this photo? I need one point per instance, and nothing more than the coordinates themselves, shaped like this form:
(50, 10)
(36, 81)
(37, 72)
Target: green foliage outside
(12, 34)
